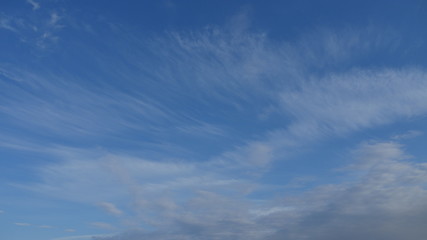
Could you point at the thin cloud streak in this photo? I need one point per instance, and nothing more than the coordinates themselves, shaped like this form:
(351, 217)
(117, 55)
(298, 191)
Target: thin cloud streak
(110, 208)
(34, 4)
(22, 224)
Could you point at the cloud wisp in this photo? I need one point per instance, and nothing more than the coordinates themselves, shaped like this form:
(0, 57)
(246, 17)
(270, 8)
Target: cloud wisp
(22, 224)
(34, 4)
(110, 208)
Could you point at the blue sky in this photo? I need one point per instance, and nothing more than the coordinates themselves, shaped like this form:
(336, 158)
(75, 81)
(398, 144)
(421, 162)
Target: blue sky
(169, 120)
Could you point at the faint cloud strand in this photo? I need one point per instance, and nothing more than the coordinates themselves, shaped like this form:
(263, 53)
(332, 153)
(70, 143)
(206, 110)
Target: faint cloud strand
(110, 208)
(34, 4)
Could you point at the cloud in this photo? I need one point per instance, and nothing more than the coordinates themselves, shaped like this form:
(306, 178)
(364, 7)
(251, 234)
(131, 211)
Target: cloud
(203, 129)
(337, 105)
(222, 72)
(102, 225)
(34, 4)
(407, 135)
(95, 118)
(34, 31)
(82, 237)
(110, 208)
(316, 90)
(54, 19)
(11, 23)
(157, 193)
(322, 86)
(357, 99)
(383, 202)
(45, 226)
(381, 197)
(22, 224)
(1, 211)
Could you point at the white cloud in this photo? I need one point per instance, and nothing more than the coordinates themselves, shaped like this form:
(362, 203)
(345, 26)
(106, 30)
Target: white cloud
(54, 19)
(337, 105)
(110, 208)
(202, 129)
(208, 200)
(88, 112)
(41, 32)
(34, 4)
(339, 101)
(383, 192)
(45, 226)
(102, 225)
(22, 224)
(407, 135)
(9, 23)
(381, 197)
(155, 191)
(235, 69)
(357, 99)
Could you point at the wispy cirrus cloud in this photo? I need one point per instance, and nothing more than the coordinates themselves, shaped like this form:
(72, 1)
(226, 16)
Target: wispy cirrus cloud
(22, 224)
(34, 4)
(224, 70)
(7, 23)
(36, 32)
(77, 118)
(110, 208)
(407, 135)
(46, 226)
(358, 99)
(103, 225)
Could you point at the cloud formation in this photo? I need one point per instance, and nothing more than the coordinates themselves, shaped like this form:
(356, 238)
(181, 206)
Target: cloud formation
(34, 4)
(382, 198)
(176, 139)
(110, 208)
(22, 224)
(102, 225)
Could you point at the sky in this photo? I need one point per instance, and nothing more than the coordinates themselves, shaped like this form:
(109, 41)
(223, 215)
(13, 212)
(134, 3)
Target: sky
(213, 120)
